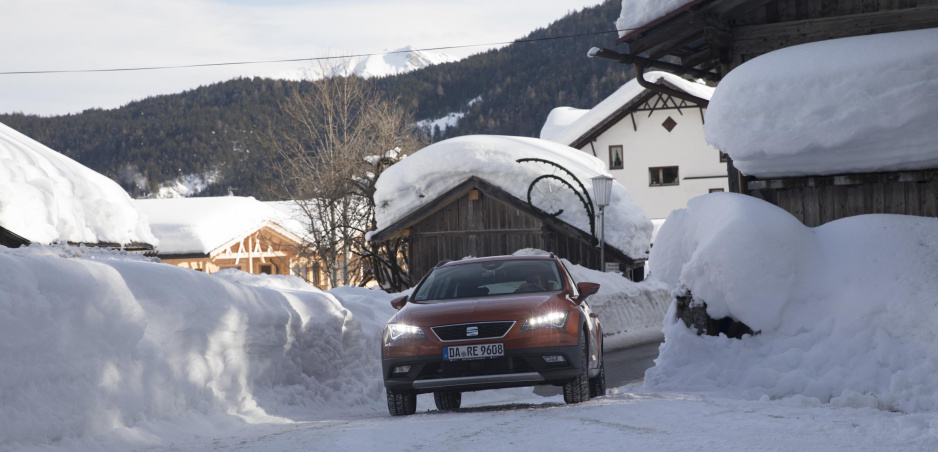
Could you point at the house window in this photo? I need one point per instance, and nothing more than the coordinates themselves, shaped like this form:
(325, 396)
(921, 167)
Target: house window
(669, 124)
(615, 157)
(723, 156)
(267, 269)
(662, 175)
(716, 190)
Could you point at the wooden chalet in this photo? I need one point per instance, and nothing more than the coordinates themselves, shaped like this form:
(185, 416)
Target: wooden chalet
(213, 234)
(477, 218)
(269, 249)
(719, 35)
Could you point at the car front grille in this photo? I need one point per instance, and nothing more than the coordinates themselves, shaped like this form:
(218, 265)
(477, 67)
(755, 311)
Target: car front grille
(461, 332)
(491, 366)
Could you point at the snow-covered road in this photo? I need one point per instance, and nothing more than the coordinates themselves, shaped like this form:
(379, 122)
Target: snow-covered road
(628, 418)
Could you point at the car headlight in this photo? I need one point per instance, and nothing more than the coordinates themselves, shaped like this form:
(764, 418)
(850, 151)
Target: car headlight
(400, 330)
(556, 319)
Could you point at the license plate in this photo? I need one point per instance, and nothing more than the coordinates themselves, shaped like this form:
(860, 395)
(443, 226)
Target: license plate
(475, 351)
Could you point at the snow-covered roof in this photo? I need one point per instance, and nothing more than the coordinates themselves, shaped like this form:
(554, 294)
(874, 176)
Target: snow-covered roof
(203, 225)
(566, 125)
(46, 197)
(639, 13)
(852, 105)
(440, 167)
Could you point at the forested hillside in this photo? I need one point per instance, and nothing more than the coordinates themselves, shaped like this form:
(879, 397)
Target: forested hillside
(221, 128)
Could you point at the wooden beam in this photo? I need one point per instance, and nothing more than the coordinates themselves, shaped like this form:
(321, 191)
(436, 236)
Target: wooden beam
(758, 39)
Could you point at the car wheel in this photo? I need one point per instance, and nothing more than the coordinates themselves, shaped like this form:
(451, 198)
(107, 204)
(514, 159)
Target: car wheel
(401, 403)
(447, 400)
(598, 383)
(578, 390)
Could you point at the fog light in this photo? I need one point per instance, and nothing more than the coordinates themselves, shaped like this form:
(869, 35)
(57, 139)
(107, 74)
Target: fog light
(554, 358)
(402, 369)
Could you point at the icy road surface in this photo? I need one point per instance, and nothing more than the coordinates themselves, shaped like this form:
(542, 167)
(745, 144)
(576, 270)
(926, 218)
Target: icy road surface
(628, 418)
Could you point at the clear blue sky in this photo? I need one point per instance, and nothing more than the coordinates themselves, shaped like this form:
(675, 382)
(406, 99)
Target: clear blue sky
(95, 34)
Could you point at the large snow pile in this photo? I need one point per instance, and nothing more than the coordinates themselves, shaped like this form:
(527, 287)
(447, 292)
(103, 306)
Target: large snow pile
(46, 197)
(565, 125)
(639, 13)
(438, 168)
(201, 225)
(94, 343)
(861, 104)
(846, 310)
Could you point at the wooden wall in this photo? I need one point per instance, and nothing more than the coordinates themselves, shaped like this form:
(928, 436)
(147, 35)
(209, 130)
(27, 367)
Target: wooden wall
(821, 199)
(489, 227)
(783, 23)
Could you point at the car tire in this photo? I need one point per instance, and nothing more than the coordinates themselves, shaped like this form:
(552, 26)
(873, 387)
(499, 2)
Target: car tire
(578, 390)
(401, 403)
(447, 400)
(598, 383)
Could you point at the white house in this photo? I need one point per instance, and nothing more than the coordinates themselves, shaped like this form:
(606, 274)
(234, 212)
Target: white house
(652, 143)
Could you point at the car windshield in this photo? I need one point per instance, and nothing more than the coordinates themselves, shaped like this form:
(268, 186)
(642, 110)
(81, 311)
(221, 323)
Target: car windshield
(488, 278)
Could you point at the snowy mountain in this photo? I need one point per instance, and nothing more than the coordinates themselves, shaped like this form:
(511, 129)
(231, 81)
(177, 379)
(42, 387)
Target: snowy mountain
(391, 62)
(399, 61)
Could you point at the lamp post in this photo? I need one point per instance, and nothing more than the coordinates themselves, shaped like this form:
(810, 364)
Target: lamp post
(602, 190)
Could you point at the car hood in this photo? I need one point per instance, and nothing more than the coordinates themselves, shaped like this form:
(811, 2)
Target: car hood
(501, 307)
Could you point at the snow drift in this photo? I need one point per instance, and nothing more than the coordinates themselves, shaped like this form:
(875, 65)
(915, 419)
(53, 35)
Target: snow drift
(99, 343)
(846, 310)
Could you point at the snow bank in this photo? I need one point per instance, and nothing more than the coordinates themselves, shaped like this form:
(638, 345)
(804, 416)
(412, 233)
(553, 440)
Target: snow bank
(566, 125)
(99, 343)
(846, 310)
(47, 197)
(639, 13)
(432, 171)
(870, 105)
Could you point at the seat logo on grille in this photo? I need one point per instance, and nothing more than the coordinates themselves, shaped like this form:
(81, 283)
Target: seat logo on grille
(472, 331)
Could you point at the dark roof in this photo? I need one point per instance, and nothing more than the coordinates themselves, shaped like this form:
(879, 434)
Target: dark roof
(703, 32)
(11, 239)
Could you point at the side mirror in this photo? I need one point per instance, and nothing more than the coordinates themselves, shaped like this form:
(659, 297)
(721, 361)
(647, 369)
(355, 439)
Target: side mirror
(586, 289)
(399, 302)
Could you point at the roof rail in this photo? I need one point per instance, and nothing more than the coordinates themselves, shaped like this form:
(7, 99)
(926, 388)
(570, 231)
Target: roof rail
(442, 262)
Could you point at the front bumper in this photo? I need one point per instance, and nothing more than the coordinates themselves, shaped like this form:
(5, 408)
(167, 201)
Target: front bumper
(518, 367)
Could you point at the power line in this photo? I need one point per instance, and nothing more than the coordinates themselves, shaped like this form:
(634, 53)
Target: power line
(296, 60)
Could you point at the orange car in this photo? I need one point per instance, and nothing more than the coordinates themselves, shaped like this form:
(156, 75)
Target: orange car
(493, 322)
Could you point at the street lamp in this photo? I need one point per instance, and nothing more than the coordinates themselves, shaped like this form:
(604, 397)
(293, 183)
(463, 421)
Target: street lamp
(602, 191)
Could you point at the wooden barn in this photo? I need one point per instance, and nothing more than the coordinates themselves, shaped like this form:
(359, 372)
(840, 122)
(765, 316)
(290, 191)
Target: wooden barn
(720, 35)
(477, 218)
